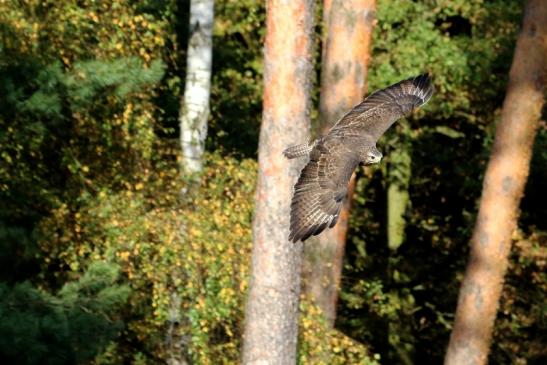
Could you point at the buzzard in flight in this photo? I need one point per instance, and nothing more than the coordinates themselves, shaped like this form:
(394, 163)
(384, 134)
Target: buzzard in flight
(323, 183)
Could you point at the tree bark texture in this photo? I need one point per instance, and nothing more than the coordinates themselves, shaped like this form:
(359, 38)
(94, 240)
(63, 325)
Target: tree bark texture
(346, 54)
(399, 171)
(503, 187)
(271, 323)
(195, 103)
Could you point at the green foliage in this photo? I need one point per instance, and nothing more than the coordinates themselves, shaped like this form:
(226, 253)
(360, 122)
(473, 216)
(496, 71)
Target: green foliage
(237, 70)
(331, 346)
(77, 121)
(466, 46)
(94, 209)
(71, 327)
(186, 261)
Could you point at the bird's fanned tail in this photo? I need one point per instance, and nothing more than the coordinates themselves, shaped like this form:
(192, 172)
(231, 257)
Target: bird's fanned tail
(300, 150)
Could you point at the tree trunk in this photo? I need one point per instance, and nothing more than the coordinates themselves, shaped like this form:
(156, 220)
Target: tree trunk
(271, 323)
(503, 187)
(346, 54)
(399, 171)
(195, 103)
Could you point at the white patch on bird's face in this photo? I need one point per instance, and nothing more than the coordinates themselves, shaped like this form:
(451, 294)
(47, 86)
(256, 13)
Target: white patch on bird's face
(374, 157)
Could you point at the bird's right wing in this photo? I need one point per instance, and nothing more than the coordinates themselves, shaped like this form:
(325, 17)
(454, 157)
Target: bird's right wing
(381, 109)
(321, 189)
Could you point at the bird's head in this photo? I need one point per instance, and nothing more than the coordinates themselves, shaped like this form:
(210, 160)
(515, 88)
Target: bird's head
(373, 156)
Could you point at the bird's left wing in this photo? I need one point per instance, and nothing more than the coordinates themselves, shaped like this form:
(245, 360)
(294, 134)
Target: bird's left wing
(321, 189)
(374, 115)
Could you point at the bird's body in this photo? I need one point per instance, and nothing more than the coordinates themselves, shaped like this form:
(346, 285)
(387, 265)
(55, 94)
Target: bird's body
(323, 182)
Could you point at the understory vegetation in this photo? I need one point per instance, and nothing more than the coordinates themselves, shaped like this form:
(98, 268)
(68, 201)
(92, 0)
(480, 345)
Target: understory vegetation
(110, 255)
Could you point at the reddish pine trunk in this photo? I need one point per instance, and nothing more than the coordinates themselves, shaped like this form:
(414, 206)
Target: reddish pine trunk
(503, 187)
(271, 323)
(346, 54)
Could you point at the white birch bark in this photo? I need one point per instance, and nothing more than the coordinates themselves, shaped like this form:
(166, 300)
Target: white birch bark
(195, 102)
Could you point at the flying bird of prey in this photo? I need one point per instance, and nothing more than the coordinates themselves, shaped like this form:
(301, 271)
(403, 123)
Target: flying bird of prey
(323, 182)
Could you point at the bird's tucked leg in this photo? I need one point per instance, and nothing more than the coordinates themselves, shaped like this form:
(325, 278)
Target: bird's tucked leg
(300, 150)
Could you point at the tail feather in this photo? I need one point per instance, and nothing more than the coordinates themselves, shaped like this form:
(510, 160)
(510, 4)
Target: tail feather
(300, 150)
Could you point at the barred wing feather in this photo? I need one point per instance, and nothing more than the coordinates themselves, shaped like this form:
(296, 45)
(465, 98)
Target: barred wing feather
(320, 191)
(375, 114)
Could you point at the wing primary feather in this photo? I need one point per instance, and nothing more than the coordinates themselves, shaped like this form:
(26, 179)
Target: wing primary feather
(321, 227)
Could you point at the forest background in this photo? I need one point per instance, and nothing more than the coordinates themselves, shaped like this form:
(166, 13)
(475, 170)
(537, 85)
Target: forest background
(109, 254)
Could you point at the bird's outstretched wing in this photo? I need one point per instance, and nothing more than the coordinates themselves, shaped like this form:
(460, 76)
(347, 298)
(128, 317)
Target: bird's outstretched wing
(321, 189)
(374, 115)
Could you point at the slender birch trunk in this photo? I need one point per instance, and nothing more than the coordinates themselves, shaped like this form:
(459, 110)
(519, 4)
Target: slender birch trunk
(503, 187)
(194, 113)
(195, 103)
(346, 54)
(271, 321)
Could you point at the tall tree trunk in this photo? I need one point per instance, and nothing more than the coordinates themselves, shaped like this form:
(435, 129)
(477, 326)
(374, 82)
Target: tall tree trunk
(503, 187)
(346, 53)
(271, 323)
(195, 102)
(399, 171)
